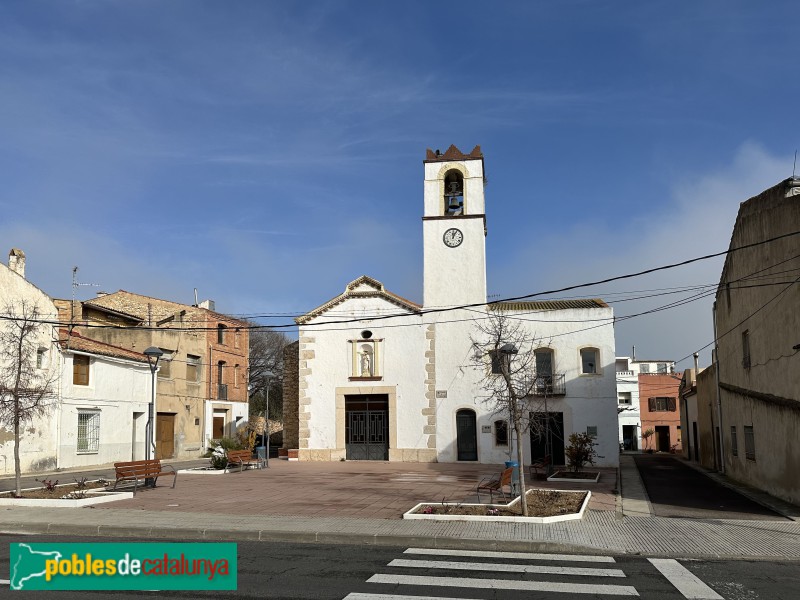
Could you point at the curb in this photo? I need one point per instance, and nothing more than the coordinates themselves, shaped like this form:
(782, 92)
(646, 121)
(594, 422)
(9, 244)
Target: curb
(355, 539)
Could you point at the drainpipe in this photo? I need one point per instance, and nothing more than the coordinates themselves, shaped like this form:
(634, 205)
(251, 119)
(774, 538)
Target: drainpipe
(719, 404)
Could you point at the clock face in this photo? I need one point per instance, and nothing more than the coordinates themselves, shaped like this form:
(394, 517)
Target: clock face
(452, 237)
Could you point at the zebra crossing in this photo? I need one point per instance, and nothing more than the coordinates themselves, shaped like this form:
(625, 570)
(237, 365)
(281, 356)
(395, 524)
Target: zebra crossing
(511, 572)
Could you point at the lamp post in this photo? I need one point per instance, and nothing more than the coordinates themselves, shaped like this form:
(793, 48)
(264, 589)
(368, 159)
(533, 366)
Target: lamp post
(152, 354)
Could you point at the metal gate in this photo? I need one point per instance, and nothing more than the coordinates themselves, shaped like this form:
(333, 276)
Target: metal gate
(367, 427)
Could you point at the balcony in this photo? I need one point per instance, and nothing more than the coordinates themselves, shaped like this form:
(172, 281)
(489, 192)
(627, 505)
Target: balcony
(550, 385)
(624, 373)
(222, 391)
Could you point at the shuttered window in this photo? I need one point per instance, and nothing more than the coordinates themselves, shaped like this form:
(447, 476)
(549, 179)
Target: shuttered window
(749, 443)
(80, 370)
(192, 368)
(661, 404)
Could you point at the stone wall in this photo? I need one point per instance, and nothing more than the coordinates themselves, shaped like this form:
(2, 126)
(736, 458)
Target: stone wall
(291, 395)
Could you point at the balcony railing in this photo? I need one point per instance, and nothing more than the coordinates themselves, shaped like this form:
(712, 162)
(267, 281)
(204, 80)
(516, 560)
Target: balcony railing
(222, 391)
(550, 385)
(624, 373)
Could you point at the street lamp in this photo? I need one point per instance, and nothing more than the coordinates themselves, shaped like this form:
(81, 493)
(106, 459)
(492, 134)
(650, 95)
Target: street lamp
(152, 354)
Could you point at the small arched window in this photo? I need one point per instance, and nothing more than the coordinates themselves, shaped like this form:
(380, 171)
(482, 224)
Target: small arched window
(590, 357)
(221, 333)
(453, 193)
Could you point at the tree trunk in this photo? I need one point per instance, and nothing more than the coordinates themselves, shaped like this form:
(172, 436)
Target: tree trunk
(17, 470)
(523, 500)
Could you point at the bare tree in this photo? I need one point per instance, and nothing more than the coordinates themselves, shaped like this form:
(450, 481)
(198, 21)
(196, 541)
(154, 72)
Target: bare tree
(266, 370)
(503, 352)
(27, 386)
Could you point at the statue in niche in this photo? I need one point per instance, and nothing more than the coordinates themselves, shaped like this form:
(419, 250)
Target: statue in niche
(366, 364)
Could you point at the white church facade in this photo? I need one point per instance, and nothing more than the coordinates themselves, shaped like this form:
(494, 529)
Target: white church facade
(379, 377)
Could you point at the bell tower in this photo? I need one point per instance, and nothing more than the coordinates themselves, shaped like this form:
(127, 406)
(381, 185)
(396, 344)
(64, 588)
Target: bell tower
(454, 228)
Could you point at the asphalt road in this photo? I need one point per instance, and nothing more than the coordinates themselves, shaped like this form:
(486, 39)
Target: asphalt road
(676, 490)
(336, 572)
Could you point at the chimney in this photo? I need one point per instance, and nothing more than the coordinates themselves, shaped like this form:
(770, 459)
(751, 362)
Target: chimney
(633, 353)
(208, 304)
(16, 261)
(696, 357)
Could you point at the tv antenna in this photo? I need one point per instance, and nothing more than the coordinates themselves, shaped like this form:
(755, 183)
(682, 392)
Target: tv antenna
(75, 285)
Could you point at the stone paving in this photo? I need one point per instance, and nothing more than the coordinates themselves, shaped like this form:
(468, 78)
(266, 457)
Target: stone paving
(360, 503)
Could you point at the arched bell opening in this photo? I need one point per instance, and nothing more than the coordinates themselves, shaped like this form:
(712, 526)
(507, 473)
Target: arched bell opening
(453, 193)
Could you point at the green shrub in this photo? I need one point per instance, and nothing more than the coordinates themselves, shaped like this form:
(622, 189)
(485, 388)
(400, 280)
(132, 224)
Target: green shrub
(580, 451)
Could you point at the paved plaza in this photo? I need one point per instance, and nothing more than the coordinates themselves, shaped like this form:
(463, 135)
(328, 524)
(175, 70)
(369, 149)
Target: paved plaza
(362, 502)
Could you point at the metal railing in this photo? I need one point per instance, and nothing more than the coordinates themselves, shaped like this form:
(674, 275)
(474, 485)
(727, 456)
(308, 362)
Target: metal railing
(550, 385)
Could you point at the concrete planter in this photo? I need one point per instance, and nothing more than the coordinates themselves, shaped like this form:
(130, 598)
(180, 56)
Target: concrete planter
(565, 477)
(202, 471)
(92, 497)
(414, 513)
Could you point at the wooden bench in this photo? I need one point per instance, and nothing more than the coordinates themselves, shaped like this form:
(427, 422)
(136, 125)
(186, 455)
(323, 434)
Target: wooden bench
(142, 470)
(496, 484)
(243, 458)
(540, 465)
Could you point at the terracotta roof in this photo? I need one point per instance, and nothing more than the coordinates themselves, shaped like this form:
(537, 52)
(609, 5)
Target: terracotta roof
(141, 307)
(550, 304)
(350, 291)
(452, 153)
(76, 341)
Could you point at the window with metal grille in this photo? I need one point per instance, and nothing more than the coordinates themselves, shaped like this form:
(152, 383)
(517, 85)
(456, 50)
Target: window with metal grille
(80, 370)
(624, 397)
(88, 431)
(749, 443)
(734, 442)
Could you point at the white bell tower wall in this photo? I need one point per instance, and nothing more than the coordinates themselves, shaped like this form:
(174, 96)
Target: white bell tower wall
(454, 261)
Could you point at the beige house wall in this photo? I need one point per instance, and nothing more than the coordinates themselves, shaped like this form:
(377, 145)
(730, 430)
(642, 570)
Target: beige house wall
(706, 415)
(761, 388)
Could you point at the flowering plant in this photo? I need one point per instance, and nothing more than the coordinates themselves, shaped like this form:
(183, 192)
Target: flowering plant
(428, 510)
(219, 460)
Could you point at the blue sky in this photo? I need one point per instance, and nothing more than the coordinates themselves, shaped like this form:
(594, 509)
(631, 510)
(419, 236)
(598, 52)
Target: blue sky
(267, 153)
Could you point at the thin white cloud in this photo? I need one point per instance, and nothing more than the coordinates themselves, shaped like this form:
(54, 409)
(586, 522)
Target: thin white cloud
(684, 219)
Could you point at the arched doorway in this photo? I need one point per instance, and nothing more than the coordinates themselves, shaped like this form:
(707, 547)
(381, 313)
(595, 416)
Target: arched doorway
(466, 435)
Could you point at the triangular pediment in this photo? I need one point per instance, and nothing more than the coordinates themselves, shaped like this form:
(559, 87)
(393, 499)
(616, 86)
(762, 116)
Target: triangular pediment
(363, 287)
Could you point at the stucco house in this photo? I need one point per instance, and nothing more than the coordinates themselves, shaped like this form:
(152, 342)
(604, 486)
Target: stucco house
(377, 376)
(202, 375)
(104, 396)
(636, 394)
(97, 407)
(18, 296)
(756, 388)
